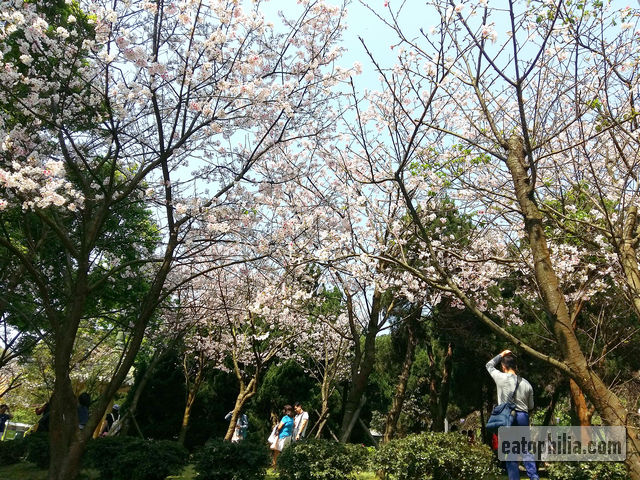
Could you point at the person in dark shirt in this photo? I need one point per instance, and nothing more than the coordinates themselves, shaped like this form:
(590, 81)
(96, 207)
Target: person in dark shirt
(44, 410)
(4, 417)
(84, 400)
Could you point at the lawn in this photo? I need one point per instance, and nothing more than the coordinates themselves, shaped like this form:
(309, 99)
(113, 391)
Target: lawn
(28, 471)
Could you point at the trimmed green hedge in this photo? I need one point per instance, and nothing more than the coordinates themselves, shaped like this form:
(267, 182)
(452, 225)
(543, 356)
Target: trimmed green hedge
(587, 471)
(220, 460)
(131, 458)
(434, 455)
(322, 460)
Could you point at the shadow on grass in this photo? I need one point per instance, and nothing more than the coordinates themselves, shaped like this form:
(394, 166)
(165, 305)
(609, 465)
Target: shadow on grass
(29, 471)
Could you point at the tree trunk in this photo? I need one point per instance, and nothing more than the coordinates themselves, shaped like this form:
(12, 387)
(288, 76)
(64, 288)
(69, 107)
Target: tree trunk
(322, 421)
(439, 398)
(391, 423)
(361, 370)
(64, 461)
(606, 402)
(192, 391)
(191, 396)
(627, 251)
(67, 442)
(367, 432)
(63, 429)
(548, 415)
(324, 412)
(244, 394)
(356, 416)
(582, 411)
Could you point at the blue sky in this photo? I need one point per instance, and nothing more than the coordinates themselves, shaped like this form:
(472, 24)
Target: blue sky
(362, 22)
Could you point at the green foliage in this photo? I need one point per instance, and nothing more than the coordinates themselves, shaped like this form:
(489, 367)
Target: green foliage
(447, 166)
(434, 455)
(13, 451)
(282, 384)
(220, 460)
(322, 460)
(360, 456)
(161, 402)
(587, 471)
(130, 458)
(128, 236)
(215, 399)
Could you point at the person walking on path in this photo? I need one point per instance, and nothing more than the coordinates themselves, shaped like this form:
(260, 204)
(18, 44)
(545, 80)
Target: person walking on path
(299, 422)
(506, 379)
(285, 431)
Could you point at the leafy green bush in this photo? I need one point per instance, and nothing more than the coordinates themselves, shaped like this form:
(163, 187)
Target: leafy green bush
(360, 456)
(130, 458)
(322, 459)
(37, 448)
(587, 471)
(434, 455)
(220, 460)
(12, 451)
(32, 448)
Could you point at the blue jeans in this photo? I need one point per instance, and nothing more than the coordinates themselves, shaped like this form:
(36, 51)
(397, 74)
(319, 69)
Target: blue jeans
(522, 420)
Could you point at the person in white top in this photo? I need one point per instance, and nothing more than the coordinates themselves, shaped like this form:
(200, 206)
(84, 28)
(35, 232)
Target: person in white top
(506, 380)
(299, 422)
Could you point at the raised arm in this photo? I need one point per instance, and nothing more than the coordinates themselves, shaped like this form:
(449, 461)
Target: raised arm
(494, 362)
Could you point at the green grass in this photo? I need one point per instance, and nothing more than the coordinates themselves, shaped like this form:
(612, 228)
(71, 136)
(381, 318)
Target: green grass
(23, 471)
(272, 475)
(29, 471)
(367, 476)
(189, 473)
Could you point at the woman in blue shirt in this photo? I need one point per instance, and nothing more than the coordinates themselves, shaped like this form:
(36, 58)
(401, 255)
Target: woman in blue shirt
(285, 430)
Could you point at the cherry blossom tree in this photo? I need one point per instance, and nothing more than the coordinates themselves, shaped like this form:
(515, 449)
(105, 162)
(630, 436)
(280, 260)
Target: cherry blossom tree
(186, 326)
(491, 120)
(397, 403)
(257, 314)
(121, 106)
(325, 348)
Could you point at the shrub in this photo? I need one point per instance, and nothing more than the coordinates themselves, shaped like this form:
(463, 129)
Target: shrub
(32, 448)
(360, 456)
(37, 448)
(130, 458)
(12, 451)
(322, 459)
(220, 460)
(434, 455)
(587, 471)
